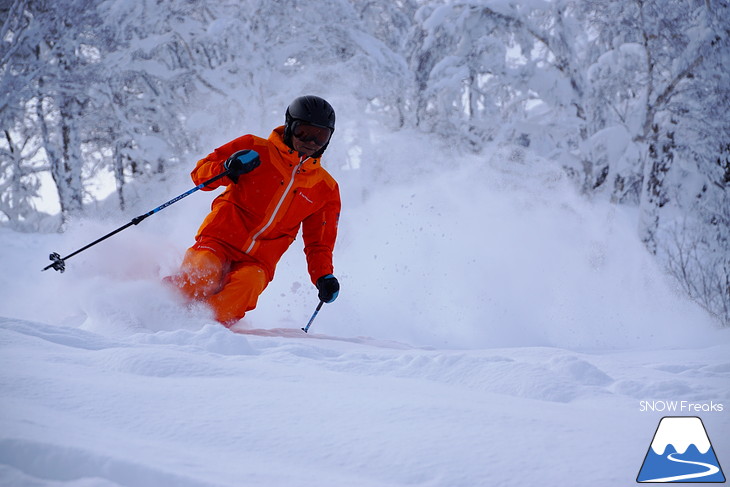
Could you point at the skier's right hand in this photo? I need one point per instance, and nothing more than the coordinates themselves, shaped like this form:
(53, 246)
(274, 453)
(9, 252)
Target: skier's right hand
(241, 162)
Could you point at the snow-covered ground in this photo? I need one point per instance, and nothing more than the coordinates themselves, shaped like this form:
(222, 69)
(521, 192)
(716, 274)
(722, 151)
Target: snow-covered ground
(493, 329)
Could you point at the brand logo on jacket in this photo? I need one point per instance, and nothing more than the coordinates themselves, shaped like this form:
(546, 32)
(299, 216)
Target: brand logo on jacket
(305, 197)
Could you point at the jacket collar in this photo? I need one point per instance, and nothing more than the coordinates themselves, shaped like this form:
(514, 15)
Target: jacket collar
(289, 154)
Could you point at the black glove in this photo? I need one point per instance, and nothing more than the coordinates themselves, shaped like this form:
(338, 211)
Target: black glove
(241, 162)
(328, 287)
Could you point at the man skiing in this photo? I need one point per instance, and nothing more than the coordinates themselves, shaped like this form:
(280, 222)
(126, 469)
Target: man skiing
(274, 186)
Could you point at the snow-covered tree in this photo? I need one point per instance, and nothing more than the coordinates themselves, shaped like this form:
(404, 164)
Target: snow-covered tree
(50, 56)
(19, 142)
(479, 65)
(87, 82)
(19, 180)
(678, 100)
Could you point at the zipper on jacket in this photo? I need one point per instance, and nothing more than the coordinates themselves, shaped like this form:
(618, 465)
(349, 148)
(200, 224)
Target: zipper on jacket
(278, 205)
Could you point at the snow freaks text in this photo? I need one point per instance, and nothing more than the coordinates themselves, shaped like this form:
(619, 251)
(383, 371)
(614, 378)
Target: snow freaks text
(680, 407)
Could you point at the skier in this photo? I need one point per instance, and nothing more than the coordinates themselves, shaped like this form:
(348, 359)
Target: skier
(274, 186)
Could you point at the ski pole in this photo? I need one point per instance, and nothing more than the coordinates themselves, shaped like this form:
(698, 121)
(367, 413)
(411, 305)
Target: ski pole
(319, 306)
(59, 263)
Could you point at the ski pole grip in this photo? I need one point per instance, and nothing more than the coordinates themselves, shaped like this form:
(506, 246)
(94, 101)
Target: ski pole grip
(241, 162)
(246, 156)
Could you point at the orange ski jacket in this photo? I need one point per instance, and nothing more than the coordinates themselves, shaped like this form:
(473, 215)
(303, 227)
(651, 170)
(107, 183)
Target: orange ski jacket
(259, 217)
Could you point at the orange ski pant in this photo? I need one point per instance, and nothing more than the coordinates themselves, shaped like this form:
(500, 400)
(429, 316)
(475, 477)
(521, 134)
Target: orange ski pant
(230, 289)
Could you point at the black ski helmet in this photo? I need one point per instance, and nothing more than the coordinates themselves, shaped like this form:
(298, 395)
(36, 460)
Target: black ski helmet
(311, 110)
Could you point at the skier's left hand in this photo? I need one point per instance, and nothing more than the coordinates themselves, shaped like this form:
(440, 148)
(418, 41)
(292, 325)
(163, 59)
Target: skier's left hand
(328, 287)
(241, 162)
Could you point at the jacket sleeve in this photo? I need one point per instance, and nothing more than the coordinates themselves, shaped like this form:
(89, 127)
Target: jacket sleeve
(212, 164)
(319, 232)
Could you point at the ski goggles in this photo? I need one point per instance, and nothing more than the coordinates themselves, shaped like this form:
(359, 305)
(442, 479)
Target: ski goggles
(312, 133)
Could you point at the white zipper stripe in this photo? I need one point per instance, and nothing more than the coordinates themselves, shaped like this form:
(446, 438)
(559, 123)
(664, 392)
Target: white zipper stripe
(278, 206)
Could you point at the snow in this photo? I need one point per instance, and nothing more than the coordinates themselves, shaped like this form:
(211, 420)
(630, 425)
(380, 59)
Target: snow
(493, 328)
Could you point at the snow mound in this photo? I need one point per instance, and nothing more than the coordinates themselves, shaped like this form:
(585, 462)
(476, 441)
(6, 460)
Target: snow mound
(202, 405)
(34, 463)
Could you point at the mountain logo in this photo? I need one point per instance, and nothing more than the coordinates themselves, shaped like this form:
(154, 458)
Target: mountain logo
(680, 452)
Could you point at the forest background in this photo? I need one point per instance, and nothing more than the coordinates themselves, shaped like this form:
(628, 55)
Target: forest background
(101, 99)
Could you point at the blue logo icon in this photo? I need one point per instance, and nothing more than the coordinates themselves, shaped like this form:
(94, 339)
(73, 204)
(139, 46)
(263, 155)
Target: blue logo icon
(681, 452)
